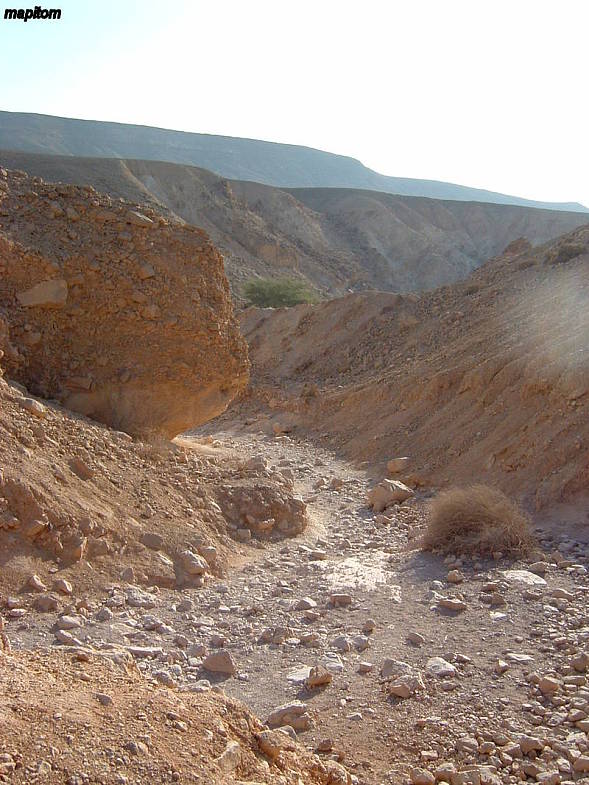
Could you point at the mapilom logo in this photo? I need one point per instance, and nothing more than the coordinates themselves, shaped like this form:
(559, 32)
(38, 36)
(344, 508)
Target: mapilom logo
(26, 14)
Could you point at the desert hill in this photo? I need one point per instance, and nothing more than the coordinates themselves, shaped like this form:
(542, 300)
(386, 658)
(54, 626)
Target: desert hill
(149, 588)
(243, 159)
(338, 239)
(485, 380)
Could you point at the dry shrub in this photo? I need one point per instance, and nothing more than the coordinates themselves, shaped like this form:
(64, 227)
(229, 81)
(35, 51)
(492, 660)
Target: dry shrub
(477, 520)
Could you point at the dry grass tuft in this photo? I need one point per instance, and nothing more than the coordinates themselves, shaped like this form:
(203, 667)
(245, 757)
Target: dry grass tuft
(477, 520)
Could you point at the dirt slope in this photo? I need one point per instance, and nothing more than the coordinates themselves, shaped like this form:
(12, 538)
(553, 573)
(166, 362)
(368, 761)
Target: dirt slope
(486, 380)
(81, 501)
(338, 239)
(114, 310)
(55, 727)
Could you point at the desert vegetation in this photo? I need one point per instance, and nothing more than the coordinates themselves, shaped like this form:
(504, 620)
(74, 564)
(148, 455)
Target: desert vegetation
(278, 292)
(477, 519)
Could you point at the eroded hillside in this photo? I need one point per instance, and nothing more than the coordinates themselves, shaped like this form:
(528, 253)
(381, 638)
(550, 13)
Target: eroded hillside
(486, 380)
(338, 239)
(105, 723)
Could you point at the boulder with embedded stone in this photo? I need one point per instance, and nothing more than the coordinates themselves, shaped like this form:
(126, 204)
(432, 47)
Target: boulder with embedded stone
(193, 563)
(118, 315)
(265, 508)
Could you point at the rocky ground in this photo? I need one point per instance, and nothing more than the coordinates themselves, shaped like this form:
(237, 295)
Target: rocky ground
(400, 664)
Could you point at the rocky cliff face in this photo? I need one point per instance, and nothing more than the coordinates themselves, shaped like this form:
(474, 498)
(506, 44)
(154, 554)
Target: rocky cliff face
(114, 310)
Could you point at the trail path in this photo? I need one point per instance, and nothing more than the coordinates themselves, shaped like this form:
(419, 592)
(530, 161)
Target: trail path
(276, 616)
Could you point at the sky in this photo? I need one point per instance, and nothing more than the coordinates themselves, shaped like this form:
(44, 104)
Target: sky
(489, 95)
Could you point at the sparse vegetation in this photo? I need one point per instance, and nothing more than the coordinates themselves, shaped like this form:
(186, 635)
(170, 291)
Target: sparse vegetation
(278, 292)
(478, 520)
(565, 252)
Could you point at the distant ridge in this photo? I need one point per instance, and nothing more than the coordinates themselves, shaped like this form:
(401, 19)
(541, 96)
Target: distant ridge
(337, 238)
(270, 163)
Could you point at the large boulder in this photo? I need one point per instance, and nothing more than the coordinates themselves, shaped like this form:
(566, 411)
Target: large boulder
(114, 310)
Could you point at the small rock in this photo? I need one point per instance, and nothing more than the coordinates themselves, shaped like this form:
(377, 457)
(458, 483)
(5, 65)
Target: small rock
(318, 677)
(581, 764)
(220, 662)
(386, 493)
(452, 604)
(397, 465)
(340, 600)
(404, 686)
(63, 586)
(67, 623)
(47, 294)
(548, 685)
(422, 777)
(152, 540)
(36, 583)
(46, 603)
(293, 714)
(305, 604)
(33, 407)
(81, 468)
(342, 643)
(524, 576)
(145, 652)
(438, 666)
(128, 575)
(104, 614)
(529, 743)
(581, 662)
(273, 742)
(325, 745)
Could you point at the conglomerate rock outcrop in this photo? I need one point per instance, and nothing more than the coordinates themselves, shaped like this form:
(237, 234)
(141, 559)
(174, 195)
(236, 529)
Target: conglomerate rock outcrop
(114, 310)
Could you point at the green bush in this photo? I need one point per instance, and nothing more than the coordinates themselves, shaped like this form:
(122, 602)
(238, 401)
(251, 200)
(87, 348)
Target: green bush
(278, 292)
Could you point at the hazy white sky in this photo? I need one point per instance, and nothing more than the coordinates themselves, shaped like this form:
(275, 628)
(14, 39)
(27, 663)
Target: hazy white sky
(492, 95)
